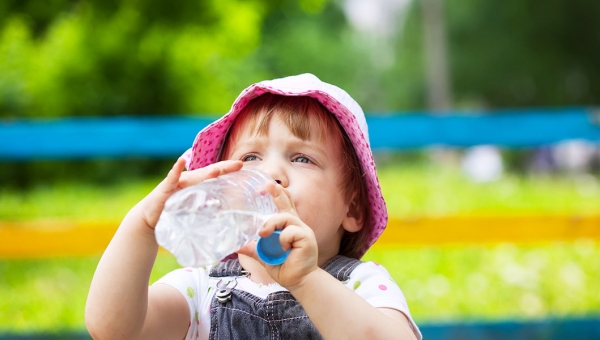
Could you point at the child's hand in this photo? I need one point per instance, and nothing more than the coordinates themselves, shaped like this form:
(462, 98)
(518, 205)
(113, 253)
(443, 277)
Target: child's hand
(152, 205)
(296, 235)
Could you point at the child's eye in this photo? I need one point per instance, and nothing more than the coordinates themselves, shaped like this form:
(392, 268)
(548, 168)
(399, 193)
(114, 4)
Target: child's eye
(249, 158)
(301, 159)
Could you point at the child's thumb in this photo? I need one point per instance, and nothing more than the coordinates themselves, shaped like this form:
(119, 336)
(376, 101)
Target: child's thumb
(249, 249)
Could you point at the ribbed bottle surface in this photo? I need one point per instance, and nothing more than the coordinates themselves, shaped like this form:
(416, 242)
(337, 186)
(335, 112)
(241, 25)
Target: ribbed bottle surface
(204, 223)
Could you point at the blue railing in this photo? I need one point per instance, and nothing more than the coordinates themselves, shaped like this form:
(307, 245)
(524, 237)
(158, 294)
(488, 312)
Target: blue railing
(118, 137)
(548, 329)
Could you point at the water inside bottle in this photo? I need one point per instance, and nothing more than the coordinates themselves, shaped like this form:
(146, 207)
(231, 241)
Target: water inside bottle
(202, 240)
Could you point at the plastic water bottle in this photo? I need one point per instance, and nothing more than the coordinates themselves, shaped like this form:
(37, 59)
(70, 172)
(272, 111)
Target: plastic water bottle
(204, 223)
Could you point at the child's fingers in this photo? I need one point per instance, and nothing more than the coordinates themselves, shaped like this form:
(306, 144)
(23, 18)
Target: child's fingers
(281, 197)
(249, 249)
(152, 205)
(189, 178)
(279, 221)
(177, 179)
(171, 182)
(294, 236)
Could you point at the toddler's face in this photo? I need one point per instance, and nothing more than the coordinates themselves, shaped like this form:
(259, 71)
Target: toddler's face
(308, 169)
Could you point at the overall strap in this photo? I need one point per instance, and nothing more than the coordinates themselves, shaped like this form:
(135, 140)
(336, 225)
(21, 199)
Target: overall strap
(340, 267)
(228, 268)
(237, 314)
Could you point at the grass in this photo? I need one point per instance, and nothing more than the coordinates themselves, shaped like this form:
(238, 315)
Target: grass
(474, 282)
(429, 190)
(82, 202)
(440, 284)
(49, 294)
(409, 189)
(497, 282)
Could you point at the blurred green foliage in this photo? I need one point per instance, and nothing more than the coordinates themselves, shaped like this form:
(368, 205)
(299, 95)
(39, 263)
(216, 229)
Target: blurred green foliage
(525, 53)
(146, 57)
(411, 188)
(90, 57)
(440, 284)
(503, 281)
(100, 172)
(72, 58)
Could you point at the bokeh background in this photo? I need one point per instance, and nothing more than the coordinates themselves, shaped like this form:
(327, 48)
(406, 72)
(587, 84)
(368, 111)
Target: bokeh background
(138, 58)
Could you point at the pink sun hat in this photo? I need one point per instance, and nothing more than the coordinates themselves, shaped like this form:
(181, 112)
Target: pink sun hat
(208, 143)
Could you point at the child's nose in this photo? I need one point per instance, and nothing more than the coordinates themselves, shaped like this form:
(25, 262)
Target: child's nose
(275, 167)
(277, 174)
(279, 179)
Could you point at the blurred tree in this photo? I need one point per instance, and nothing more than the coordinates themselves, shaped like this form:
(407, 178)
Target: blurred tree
(368, 67)
(525, 53)
(504, 54)
(93, 57)
(297, 42)
(124, 57)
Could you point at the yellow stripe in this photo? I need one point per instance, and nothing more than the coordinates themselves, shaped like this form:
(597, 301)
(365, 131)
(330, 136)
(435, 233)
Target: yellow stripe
(462, 230)
(35, 239)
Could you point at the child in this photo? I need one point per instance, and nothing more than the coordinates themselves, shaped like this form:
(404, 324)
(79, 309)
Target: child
(311, 138)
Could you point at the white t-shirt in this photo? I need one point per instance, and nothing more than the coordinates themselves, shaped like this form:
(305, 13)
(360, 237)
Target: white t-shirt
(369, 280)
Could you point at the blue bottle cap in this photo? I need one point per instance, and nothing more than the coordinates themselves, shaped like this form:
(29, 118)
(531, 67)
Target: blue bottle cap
(269, 249)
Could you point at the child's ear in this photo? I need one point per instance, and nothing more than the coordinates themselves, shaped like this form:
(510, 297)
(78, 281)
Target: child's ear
(354, 219)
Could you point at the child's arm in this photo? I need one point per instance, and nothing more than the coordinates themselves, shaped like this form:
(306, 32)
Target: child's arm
(339, 313)
(120, 305)
(336, 311)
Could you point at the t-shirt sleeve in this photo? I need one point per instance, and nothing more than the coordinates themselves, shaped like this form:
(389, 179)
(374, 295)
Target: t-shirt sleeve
(192, 283)
(373, 283)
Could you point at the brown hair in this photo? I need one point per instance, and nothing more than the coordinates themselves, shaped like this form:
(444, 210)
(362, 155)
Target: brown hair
(297, 112)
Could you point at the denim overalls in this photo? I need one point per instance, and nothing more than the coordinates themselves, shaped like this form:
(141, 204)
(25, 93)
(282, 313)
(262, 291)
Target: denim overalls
(238, 314)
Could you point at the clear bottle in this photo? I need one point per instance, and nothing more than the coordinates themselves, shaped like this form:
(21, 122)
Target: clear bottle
(204, 223)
